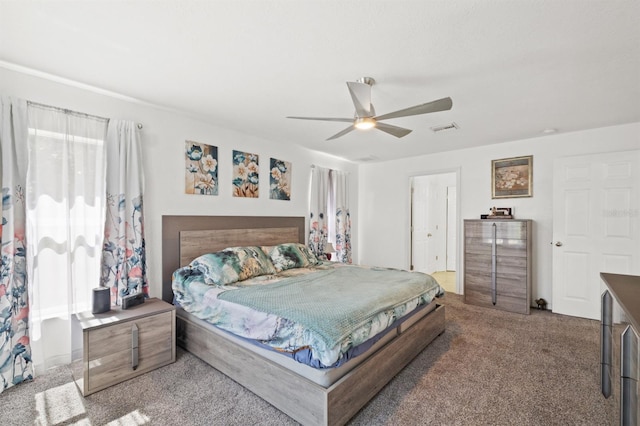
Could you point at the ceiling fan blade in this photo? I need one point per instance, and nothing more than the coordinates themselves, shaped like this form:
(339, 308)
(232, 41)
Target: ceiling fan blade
(342, 133)
(443, 104)
(361, 96)
(396, 131)
(344, 120)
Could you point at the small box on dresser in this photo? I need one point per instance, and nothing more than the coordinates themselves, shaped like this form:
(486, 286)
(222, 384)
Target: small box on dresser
(111, 347)
(497, 263)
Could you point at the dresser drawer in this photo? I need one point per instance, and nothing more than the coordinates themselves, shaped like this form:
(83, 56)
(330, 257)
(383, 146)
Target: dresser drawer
(508, 286)
(504, 302)
(507, 265)
(507, 229)
(504, 247)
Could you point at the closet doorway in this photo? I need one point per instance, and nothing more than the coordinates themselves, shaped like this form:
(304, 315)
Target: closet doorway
(434, 227)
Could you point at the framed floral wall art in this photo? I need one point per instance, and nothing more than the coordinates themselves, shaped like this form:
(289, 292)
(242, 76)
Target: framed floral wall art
(512, 177)
(201, 174)
(245, 175)
(279, 180)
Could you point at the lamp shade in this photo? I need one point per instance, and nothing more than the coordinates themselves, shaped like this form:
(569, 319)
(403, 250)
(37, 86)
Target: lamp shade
(328, 248)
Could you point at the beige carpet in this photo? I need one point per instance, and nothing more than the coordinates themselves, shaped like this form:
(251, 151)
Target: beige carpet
(488, 368)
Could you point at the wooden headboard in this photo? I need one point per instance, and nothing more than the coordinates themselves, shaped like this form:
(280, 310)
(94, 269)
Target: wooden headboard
(186, 237)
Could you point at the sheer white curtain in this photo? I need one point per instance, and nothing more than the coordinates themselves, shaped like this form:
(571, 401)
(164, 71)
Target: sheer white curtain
(329, 216)
(342, 218)
(65, 223)
(318, 219)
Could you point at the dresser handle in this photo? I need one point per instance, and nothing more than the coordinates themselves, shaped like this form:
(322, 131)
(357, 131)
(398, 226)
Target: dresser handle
(606, 343)
(134, 346)
(629, 377)
(494, 266)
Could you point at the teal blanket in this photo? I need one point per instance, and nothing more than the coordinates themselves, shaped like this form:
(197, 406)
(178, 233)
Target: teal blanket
(333, 303)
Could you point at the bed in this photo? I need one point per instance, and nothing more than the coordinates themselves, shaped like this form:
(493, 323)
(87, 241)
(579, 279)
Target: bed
(321, 399)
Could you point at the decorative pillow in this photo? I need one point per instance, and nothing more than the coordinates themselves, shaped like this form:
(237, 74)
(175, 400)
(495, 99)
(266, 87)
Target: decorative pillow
(233, 264)
(313, 259)
(291, 255)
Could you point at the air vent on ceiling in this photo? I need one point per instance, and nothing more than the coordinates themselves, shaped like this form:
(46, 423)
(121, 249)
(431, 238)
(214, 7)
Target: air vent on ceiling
(450, 126)
(368, 158)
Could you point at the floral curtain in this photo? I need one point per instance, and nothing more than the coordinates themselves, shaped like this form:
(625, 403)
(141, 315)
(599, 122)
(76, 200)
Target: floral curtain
(15, 348)
(342, 216)
(123, 254)
(318, 219)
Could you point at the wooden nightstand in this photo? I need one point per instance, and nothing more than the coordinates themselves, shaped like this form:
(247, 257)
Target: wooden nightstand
(118, 345)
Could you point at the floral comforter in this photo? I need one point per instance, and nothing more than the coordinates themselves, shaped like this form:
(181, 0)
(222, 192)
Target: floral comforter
(282, 333)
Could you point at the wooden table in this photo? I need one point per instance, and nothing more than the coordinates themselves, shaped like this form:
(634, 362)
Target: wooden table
(626, 290)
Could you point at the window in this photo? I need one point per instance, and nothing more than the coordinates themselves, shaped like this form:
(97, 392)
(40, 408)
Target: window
(65, 209)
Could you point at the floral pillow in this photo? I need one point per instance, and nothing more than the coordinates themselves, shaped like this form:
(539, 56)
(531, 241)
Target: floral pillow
(313, 259)
(291, 255)
(233, 264)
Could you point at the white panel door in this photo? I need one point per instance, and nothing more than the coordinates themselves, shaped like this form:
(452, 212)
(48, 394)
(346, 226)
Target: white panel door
(419, 190)
(596, 227)
(451, 228)
(436, 228)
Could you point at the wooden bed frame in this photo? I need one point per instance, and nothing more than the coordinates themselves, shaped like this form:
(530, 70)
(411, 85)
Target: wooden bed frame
(298, 397)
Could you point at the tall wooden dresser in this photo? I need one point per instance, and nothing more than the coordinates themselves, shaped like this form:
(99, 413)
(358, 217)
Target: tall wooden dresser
(497, 264)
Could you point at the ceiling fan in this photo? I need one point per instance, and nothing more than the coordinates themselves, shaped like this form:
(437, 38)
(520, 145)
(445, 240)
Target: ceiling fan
(366, 118)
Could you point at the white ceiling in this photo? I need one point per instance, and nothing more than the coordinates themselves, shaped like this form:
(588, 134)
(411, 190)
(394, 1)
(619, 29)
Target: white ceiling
(512, 68)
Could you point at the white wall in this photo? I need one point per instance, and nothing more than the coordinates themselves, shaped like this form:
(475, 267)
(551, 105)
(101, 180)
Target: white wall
(164, 136)
(384, 193)
(380, 191)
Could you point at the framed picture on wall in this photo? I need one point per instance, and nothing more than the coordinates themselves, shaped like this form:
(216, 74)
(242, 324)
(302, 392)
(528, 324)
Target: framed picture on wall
(512, 177)
(201, 169)
(279, 179)
(246, 182)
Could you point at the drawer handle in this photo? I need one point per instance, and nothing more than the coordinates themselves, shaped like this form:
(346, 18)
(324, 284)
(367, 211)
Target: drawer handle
(494, 265)
(134, 346)
(629, 377)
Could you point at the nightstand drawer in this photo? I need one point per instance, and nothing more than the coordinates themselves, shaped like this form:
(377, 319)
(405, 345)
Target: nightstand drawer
(110, 349)
(117, 337)
(103, 344)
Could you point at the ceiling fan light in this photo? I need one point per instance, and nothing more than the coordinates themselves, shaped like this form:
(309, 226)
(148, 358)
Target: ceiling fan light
(365, 123)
